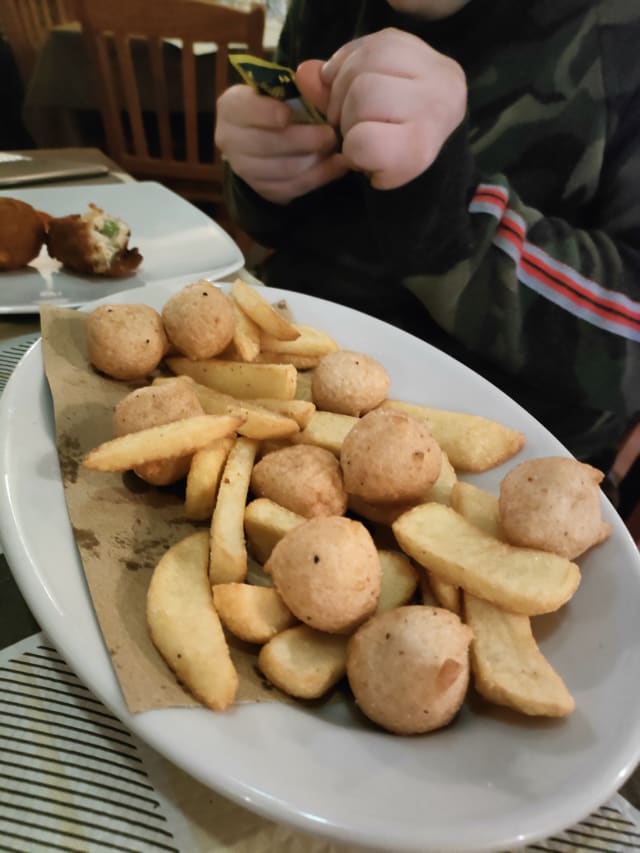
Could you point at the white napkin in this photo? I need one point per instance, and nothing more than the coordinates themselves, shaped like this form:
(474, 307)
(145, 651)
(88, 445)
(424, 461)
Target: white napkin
(73, 778)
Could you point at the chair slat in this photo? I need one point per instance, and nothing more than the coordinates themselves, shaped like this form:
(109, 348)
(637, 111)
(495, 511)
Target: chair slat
(160, 95)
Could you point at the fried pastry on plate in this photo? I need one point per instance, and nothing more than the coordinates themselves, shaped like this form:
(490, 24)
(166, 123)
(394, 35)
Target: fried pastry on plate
(22, 233)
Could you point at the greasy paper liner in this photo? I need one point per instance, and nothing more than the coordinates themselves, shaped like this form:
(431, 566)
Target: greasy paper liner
(121, 525)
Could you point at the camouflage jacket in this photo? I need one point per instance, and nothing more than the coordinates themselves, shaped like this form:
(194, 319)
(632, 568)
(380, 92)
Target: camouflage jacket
(518, 251)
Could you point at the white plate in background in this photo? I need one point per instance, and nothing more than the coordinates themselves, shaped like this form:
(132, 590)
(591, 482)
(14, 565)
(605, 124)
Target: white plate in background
(493, 780)
(176, 240)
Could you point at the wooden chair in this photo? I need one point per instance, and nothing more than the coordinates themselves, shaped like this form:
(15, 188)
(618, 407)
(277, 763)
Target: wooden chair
(155, 123)
(26, 24)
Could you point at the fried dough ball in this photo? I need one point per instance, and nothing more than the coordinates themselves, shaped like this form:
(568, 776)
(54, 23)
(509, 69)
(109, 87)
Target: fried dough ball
(199, 320)
(151, 406)
(303, 478)
(553, 503)
(327, 571)
(125, 341)
(94, 243)
(350, 383)
(22, 233)
(408, 668)
(389, 457)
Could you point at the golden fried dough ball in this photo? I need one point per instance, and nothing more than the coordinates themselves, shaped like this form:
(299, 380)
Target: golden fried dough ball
(327, 571)
(22, 233)
(199, 320)
(303, 478)
(350, 383)
(408, 668)
(94, 243)
(389, 457)
(151, 406)
(125, 341)
(554, 504)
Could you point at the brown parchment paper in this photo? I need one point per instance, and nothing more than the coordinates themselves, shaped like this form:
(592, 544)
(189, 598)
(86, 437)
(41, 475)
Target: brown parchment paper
(121, 526)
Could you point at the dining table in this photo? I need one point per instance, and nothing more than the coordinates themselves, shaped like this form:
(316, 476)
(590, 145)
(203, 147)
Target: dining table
(55, 789)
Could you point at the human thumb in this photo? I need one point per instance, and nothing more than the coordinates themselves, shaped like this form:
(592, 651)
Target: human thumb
(310, 84)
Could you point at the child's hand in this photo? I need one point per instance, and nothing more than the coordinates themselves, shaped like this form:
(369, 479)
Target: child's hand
(395, 100)
(278, 159)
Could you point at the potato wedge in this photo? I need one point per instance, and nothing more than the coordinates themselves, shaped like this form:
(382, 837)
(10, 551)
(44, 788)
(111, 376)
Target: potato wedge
(521, 580)
(326, 429)
(254, 614)
(303, 662)
(507, 665)
(178, 438)
(246, 336)
(239, 378)
(310, 342)
(185, 627)
(398, 582)
(228, 551)
(471, 442)
(265, 523)
(479, 507)
(262, 312)
(203, 479)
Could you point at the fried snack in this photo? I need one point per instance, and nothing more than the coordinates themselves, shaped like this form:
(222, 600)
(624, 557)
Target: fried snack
(203, 479)
(262, 312)
(238, 378)
(301, 362)
(305, 479)
(447, 595)
(254, 614)
(125, 341)
(399, 580)
(408, 668)
(265, 523)
(326, 429)
(199, 320)
(327, 571)
(151, 406)
(311, 342)
(304, 663)
(508, 667)
(166, 441)
(389, 457)
(553, 504)
(521, 580)
(479, 507)
(22, 233)
(471, 442)
(185, 627)
(228, 552)
(300, 410)
(303, 385)
(246, 334)
(94, 243)
(350, 383)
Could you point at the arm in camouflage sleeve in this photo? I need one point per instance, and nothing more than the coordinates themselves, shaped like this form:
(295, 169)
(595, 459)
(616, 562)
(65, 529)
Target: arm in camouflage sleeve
(553, 305)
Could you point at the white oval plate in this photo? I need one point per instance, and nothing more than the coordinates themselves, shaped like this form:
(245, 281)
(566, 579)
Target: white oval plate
(493, 780)
(166, 228)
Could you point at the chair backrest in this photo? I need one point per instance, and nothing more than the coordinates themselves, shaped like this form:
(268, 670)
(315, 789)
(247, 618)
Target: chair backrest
(160, 67)
(26, 24)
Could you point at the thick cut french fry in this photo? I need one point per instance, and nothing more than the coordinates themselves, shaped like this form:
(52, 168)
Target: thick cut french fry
(300, 362)
(326, 429)
(262, 312)
(228, 556)
(479, 507)
(203, 479)
(447, 594)
(246, 336)
(300, 410)
(185, 627)
(303, 386)
(265, 523)
(398, 581)
(178, 438)
(238, 378)
(508, 667)
(303, 662)
(521, 580)
(254, 614)
(471, 442)
(311, 342)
